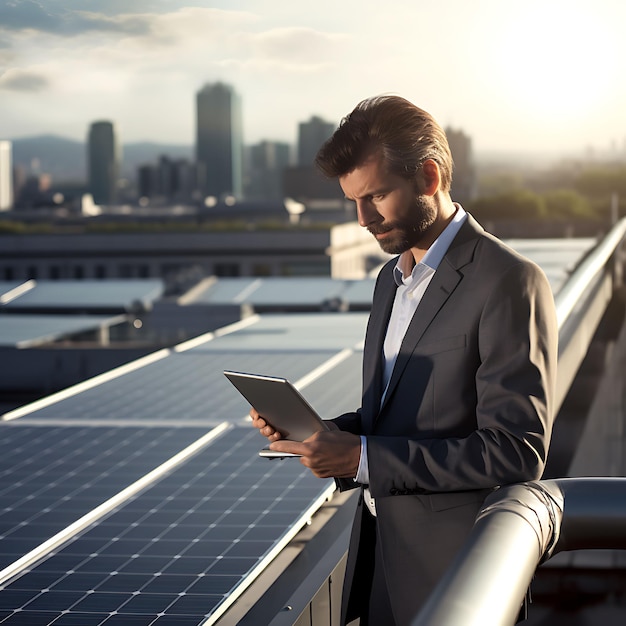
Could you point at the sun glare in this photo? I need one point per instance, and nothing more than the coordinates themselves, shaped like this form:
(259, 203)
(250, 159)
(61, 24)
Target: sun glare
(555, 59)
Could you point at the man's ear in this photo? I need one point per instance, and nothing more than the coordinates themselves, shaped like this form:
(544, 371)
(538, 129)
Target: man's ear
(429, 178)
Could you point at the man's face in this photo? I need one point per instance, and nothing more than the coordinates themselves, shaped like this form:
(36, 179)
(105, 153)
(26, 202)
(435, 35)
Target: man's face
(389, 206)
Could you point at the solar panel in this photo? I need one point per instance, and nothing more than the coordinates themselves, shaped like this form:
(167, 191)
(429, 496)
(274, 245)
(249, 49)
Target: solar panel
(300, 333)
(360, 292)
(10, 289)
(23, 331)
(89, 294)
(9, 285)
(52, 476)
(182, 388)
(338, 390)
(275, 290)
(188, 386)
(227, 291)
(294, 291)
(179, 553)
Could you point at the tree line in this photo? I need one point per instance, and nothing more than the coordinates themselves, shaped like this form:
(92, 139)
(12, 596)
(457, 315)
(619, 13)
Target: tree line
(566, 193)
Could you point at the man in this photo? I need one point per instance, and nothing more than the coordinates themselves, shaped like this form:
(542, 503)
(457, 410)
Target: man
(458, 366)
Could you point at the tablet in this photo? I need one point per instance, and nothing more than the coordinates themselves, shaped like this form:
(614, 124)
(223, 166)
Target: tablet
(280, 404)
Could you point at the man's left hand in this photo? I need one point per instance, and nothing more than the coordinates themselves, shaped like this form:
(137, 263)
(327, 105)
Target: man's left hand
(328, 454)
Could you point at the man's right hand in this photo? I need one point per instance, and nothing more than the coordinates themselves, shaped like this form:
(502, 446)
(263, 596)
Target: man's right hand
(265, 429)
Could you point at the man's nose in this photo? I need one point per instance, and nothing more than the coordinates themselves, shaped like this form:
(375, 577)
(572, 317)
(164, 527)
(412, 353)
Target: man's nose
(366, 212)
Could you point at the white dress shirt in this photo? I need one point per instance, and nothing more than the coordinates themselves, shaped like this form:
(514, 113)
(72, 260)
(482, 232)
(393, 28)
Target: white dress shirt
(412, 281)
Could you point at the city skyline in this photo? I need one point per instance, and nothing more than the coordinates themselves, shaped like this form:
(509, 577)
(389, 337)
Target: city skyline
(542, 77)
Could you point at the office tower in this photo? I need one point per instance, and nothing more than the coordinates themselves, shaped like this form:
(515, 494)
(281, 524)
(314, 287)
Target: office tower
(6, 176)
(219, 141)
(304, 182)
(311, 136)
(170, 180)
(267, 163)
(147, 181)
(103, 162)
(464, 176)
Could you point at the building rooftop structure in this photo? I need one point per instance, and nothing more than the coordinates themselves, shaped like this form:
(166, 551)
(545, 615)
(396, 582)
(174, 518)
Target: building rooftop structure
(139, 494)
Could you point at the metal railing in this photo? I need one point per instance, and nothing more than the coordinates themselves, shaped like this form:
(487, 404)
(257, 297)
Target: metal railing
(581, 303)
(519, 527)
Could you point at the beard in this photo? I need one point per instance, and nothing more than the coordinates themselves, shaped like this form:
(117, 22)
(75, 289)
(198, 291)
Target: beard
(406, 233)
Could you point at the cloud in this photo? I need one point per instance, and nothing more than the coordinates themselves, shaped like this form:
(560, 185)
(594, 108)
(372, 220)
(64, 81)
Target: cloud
(203, 38)
(18, 80)
(31, 15)
(297, 45)
(209, 27)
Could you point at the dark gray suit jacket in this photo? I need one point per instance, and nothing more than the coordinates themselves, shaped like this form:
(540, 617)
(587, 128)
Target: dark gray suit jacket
(469, 408)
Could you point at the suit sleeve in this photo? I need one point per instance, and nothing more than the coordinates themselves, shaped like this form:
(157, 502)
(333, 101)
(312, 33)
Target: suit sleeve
(350, 422)
(517, 348)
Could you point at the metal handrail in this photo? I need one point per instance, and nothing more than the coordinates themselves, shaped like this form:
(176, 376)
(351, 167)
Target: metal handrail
(580, 305)
(519, 527)
(577, 284)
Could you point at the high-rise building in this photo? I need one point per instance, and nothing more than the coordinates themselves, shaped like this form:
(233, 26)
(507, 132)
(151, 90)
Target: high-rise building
(311, 136)
(6, 176)
(170, 180)
(304, 182)
(103, 162)
(219, 141)
(266, 165)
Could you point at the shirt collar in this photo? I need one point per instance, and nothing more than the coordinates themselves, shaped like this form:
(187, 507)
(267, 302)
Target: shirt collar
(437, 250)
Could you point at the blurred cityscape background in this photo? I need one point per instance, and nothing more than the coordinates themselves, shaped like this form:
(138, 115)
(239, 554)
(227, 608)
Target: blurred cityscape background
(57, 177)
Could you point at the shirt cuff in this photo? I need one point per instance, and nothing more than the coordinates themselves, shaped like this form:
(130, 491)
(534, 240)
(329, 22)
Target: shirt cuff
(363, 472)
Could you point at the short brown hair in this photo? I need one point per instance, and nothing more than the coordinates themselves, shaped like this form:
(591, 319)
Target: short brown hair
(405, 134)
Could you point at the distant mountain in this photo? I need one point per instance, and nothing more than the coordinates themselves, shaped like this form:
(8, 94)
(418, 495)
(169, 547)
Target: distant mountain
(66, 159)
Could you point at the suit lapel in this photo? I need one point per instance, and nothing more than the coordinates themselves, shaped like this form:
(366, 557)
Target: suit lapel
(444, 282)
(372, 353)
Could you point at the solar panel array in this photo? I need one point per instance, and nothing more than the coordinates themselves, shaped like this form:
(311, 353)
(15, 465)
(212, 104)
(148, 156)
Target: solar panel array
(183, 546)
(556, 256)
(180, 552)
(36, 312)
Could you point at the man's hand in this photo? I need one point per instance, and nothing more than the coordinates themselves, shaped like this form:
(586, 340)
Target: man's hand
(328, 454)
(264, 428)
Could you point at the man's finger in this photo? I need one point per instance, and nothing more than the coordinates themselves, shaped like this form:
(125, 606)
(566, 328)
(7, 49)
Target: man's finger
(294, 447)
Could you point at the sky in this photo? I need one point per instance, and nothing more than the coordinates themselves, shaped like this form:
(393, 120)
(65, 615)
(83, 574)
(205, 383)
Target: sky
(516, 76)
